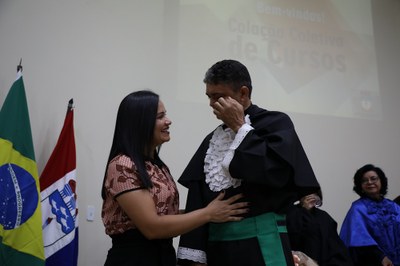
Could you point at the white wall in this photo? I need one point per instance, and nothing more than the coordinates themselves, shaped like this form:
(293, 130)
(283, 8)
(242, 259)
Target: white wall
(97, 51)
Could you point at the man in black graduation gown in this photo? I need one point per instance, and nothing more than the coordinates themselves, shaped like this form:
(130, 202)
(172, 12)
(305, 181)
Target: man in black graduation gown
(255, 152)
(314, 232)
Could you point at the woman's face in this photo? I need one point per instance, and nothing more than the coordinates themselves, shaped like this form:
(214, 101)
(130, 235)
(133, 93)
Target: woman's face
(161, 126)
(371, 184)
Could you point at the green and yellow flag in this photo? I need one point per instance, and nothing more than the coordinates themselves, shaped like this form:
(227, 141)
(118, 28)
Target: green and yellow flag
(21, 241)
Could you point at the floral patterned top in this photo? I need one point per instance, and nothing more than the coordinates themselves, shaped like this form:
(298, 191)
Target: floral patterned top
(122, 177)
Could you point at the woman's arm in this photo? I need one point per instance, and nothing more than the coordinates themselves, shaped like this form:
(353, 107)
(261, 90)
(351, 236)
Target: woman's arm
(140, 208)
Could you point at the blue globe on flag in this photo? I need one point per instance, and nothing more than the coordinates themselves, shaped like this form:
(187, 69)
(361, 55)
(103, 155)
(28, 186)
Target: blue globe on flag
(18, 196)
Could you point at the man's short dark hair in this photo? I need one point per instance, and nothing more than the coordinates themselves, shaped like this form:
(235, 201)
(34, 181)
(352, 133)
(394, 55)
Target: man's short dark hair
(229, 72)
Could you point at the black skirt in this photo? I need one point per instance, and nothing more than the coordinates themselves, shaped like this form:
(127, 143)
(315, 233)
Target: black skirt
(132, 248)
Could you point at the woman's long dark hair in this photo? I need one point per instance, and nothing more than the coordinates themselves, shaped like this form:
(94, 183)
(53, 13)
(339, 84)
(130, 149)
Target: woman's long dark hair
(134, 130)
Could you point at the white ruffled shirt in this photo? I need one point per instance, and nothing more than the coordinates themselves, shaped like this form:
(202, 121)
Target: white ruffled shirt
(220, 154)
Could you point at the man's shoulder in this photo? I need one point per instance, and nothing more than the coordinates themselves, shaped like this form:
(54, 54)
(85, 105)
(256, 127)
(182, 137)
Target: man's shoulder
(255, 110)
(263, 117)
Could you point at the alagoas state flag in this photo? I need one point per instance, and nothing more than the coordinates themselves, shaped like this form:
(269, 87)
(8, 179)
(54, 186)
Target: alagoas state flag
(21, 241)
(58, 192)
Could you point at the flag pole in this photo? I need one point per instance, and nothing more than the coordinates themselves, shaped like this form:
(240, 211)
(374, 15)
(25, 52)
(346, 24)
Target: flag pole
(70, 105)
(19, 67)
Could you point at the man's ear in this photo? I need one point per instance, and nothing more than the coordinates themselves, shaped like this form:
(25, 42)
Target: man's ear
(244, 92)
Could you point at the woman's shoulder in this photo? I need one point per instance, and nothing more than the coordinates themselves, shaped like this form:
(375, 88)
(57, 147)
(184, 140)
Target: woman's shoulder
(392, 205)
(358, 204)
(121, 176)
(372, 206)
(122, 162)
(121, 159)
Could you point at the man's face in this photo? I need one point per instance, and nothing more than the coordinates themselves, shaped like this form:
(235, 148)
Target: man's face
(214, 92)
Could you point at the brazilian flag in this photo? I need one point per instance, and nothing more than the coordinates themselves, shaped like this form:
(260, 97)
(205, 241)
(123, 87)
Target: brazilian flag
(21, 241)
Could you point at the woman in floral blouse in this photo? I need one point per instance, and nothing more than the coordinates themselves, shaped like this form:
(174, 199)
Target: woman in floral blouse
(140, 199)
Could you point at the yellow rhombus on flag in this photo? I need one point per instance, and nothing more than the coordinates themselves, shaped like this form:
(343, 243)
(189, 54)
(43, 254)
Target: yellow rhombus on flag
(21, 241)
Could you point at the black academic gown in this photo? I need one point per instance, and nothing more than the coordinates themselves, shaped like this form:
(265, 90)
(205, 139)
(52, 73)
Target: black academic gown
(272, 165)
(314, 232)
